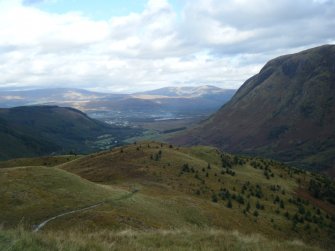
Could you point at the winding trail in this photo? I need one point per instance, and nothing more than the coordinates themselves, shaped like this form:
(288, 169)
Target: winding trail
(42, 224)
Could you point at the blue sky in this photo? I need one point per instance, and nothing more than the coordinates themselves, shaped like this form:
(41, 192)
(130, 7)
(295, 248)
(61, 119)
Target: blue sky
(97, 9)
(136, 45)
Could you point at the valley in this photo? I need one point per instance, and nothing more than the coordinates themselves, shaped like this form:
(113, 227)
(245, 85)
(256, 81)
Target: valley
(167, 125)
(144, 110)
(176, 168)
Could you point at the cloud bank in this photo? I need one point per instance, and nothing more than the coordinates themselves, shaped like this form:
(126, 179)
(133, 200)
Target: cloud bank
(207, 42)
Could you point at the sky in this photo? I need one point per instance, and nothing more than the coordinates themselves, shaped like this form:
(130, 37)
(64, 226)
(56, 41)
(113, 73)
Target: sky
(135, 45)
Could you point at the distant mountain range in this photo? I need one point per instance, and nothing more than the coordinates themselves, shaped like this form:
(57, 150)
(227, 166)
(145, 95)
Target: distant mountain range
(203, 99)
(64, 96)
(41, 130)
(187, 91)
(286, 112)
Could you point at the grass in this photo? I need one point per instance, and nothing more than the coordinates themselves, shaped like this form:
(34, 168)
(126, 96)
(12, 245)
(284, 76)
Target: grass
(162, 179)
(32, 194)
(48, 161)
(178, 188)
(147, 135)
(172, 239)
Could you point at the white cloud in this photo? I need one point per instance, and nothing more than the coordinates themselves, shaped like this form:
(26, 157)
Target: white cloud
(243, 26)
(210, 42)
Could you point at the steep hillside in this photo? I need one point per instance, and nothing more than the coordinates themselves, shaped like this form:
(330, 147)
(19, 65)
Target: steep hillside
(286, 112)
(157, 188)
(40, 130)
(15, 143)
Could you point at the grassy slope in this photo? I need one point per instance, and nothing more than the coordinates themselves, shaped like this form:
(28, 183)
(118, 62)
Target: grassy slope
(171, 198)
(31, 194)
(168, 198)
(49, 161)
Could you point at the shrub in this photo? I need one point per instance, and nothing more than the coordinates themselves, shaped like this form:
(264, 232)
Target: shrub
(248, 207)
(185, 168)
(229, 204)
(214, 198)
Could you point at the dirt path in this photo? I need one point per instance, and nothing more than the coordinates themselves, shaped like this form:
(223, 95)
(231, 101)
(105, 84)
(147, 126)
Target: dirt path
(41, 225)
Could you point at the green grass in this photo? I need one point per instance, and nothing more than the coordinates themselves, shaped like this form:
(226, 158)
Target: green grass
(32, 194)
(147, 135)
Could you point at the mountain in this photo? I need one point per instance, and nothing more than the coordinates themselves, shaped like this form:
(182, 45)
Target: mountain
(286, 112)
(40, 130)
(166, 100)
(150, 195)
(76, 98)
(188, 91)
(203, 99)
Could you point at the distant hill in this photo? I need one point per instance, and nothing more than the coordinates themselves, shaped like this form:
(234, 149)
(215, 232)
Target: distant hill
(76, 98)
(286, 112)
(187, 99)
(193, 100)
(40, 130)
(189, 91)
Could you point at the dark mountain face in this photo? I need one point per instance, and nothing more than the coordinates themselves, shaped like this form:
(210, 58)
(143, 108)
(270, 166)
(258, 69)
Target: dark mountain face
(287, 112)
(39, 130)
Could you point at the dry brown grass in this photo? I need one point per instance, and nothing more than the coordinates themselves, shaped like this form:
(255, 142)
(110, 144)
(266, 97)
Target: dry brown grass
(164, 240)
